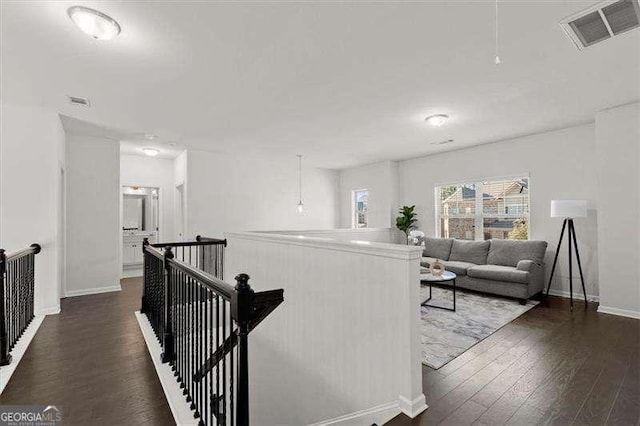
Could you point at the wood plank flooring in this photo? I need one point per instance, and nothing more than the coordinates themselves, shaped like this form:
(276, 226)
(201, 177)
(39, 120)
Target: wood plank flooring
(549, 366)
(91, 361)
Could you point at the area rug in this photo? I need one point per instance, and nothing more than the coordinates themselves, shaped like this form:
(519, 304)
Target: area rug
(445, 334)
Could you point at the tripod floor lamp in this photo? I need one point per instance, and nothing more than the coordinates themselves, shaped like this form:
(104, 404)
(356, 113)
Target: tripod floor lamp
(569, 209)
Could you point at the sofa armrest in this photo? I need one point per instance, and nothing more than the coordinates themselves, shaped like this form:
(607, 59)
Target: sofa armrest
(536, 278)
(526, 265)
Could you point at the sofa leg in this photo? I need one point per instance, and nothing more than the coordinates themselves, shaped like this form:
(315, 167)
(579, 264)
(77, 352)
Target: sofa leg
(523, 301)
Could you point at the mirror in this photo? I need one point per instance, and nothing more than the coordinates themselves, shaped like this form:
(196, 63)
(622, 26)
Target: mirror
(139, 209)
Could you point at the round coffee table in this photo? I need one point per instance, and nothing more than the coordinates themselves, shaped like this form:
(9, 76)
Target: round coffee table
(437, 279)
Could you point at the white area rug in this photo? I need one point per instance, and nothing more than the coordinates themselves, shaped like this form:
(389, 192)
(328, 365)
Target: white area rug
(445, 334)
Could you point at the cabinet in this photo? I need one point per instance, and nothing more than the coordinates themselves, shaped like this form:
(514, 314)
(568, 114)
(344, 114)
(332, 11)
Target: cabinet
(132, 249)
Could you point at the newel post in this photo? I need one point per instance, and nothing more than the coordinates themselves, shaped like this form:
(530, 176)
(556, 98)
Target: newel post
(5, 358)
(169, 353)
(242, 309)
(145, 276)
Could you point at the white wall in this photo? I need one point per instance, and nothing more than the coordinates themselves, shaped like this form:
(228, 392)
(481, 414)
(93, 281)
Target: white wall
(93, 215)
(618, 149)
(560, 165)
(226, 193)
(381, 180)
(346, 338)
(31, 142)
(153, 172)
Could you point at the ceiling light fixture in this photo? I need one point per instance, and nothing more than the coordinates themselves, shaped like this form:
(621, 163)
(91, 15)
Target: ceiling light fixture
(300, 203)
(437, 120)
(151, 152)
(150, 137)
(94, 23)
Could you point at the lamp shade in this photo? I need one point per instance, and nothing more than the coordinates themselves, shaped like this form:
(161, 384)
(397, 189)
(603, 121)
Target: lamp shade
(569, 208)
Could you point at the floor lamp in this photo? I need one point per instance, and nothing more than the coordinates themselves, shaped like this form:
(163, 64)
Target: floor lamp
(569, 209)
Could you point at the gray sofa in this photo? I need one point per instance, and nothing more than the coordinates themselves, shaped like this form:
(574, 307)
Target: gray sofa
(509, 268)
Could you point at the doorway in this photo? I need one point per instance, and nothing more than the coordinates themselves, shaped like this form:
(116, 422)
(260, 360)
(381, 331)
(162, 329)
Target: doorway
(140, 220)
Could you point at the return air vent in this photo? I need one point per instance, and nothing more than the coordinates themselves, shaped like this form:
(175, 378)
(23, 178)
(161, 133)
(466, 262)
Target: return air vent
(601, 21)
(74, 100)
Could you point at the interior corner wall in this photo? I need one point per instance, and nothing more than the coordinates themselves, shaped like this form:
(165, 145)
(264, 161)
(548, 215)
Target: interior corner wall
(560, 165)
(618, 172)
(136, 170)
(93, 215)
(30, 147)
(381, 180)
(232, 193)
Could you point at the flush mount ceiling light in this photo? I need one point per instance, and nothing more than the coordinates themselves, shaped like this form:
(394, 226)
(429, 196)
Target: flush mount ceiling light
(94, 23)
(437, 120)
(151, 152)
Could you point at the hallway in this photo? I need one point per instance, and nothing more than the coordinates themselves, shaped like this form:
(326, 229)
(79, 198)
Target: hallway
(92, 363)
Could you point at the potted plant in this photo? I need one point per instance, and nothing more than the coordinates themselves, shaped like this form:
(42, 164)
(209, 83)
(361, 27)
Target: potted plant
(407, 219)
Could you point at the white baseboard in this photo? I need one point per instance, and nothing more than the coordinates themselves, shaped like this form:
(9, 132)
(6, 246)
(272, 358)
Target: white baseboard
(413, 408)
(576, 295)
(85, 292)
(132, 273)
(182, 414)
(379, 415)
(617, 311)
(53, 310)
(18, 351)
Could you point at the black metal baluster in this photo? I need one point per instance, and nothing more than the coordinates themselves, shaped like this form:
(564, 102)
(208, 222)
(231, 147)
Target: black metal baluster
(224, 362)
(218, 365)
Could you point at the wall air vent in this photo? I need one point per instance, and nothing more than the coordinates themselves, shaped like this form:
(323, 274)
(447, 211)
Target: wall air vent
(74, 100)
(601, 21)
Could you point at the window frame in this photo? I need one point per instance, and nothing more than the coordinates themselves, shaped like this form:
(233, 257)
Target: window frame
(479, 215)
(354, 210)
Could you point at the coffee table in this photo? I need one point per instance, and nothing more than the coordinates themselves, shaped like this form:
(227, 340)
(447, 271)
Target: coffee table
(431, 279)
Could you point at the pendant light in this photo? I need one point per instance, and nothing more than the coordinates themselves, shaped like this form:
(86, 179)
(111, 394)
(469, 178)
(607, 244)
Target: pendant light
(300, 203)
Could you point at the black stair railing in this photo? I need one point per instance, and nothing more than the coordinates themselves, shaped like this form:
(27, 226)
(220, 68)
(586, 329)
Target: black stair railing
(203, 325)
(17, 290)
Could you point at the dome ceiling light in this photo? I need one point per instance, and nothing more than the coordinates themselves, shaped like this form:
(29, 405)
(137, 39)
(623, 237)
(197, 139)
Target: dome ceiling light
(437, 120)
(94, 23)
(151, 152)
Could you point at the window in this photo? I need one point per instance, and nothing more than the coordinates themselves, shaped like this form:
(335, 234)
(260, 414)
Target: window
(497, 209)
(360, 201)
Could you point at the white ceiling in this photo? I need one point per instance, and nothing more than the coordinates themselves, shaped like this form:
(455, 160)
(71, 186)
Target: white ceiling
(341, 83)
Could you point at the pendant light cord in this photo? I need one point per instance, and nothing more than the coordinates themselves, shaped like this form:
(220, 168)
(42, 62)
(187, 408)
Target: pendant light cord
(299, 177)
(497, 58)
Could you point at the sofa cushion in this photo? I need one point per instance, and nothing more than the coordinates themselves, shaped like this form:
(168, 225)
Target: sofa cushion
(499, 273)
(438, 248)
(458, 268)
(510, 252)
(470, 251)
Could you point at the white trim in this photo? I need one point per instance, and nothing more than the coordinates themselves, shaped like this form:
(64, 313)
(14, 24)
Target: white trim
(618, 311)
(19, 350)
(182, 414)
(54, 310)
(396, 251)
(134, 272)
(383, 413)
(413, 408)
(88, 291)
(577, 296)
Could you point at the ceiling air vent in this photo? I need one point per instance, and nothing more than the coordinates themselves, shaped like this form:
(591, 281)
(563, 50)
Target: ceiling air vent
(601, 21)
(73, 100)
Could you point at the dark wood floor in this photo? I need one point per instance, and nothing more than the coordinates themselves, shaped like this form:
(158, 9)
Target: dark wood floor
(549, 366)
(91, 361)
